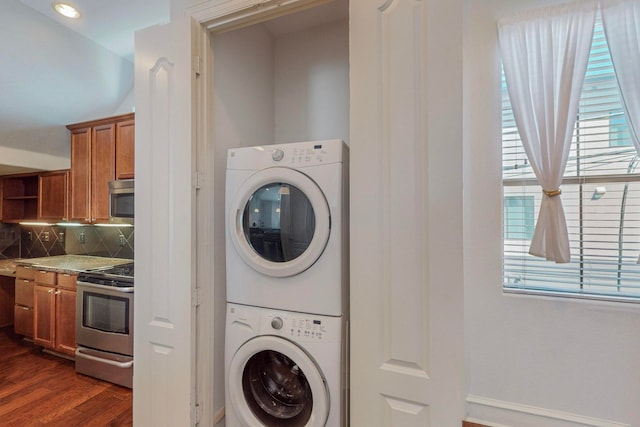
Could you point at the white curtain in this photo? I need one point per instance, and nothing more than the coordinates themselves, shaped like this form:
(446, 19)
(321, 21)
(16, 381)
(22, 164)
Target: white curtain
(545, 54)
(621, 22)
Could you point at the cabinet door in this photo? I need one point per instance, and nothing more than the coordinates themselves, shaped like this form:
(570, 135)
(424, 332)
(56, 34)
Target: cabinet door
(80, 175)
(52, 195)
(103, 153)
(7, 300)
(44, 316)
(125, 147)
(24, 292)
(23, 320)
(65, 334)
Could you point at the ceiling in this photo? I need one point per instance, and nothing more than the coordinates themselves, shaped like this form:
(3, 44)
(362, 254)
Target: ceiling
(56, 71)
(110, 23)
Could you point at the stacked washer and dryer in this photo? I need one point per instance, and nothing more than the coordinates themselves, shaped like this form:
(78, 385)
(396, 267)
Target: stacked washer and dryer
(286, 342)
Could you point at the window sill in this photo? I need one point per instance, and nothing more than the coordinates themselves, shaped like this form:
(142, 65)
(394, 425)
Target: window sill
(570, 295)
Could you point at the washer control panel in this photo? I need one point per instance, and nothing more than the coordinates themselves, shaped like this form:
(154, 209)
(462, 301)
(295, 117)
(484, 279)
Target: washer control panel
(302, 327)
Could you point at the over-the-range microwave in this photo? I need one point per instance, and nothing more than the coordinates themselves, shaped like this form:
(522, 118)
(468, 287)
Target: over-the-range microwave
(121, 198)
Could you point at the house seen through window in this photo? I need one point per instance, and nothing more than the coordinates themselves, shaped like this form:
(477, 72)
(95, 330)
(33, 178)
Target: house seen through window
(600, 195)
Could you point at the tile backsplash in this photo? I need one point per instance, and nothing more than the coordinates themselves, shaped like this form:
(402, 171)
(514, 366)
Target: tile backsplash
(9, 241)
(21, 241)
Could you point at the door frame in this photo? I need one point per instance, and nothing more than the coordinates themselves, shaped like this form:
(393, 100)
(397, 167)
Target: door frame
(209, 297)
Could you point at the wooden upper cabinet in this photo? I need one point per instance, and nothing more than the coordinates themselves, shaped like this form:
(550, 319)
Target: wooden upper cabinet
(19, 197)
(52, 195)
(103, 155)
(34, 196)
(80, 175)
(101, 151)
(125, 148)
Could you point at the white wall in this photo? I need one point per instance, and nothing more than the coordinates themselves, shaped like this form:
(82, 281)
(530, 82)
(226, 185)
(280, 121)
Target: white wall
(312, 84)
(243, 94)
(288, 88)
(530, 361)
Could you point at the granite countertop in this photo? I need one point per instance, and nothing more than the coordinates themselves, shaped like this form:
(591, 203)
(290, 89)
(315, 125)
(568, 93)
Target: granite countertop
(8, 267)
(62, 263)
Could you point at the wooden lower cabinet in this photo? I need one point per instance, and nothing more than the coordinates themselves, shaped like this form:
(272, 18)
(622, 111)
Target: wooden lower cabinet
(65, 330)
(44, 311)
(23, 320)
(54, 314)
(23, 309)
(7, 300)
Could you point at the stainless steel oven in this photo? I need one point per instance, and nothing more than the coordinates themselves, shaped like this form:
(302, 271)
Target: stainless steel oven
(104, 324)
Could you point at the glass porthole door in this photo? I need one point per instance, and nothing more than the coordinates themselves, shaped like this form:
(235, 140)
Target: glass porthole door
(280, 222)
(272, 382)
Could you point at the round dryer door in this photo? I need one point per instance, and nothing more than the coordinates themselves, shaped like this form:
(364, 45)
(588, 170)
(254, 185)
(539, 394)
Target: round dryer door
(273, 382)
(280, 222)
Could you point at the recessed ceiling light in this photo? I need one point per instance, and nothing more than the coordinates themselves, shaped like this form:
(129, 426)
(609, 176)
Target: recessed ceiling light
(67, 10)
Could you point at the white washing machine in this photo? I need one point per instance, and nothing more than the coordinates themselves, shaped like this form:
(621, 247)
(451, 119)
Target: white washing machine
(287, 226)
(285, 368)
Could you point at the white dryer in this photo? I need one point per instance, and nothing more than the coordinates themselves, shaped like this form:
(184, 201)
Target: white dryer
(284, 369)
(287, 226)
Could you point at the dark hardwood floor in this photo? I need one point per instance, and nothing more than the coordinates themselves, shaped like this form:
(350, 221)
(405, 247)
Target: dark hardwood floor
(39, 389)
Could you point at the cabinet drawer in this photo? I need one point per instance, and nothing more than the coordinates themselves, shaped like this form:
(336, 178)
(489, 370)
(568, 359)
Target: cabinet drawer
(67, 281)
(23, 272)
(24, 292)
(46, 277)
(23, 320)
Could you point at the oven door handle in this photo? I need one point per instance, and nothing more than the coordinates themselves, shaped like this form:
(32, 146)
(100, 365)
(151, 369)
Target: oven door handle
(127, 290)
(123, 365)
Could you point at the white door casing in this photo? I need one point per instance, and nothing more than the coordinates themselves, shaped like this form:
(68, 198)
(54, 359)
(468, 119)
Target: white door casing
(406, 184)
(164, 339)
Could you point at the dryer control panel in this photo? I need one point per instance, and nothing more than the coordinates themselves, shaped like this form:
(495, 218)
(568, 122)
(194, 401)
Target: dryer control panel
(294, 155)
(315, 154)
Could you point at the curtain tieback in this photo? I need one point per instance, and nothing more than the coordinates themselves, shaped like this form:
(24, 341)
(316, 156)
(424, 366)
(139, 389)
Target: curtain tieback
(552, 193)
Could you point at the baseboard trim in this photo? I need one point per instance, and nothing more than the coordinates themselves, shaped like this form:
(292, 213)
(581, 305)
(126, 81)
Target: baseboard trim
(472, 422)
(541, 412)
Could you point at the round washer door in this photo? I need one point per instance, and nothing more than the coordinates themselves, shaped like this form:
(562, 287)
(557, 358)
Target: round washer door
(273, 382)
(279, 222)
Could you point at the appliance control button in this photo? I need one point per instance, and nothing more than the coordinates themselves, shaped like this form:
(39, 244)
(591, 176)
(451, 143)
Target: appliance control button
(276, 322)
(277, 155)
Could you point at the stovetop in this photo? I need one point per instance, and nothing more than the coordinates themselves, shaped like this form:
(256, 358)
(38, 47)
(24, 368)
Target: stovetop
(118, 276)
(122, 270)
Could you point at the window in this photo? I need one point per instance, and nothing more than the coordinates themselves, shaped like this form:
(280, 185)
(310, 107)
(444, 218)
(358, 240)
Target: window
(519, 217)
(618, 131)
(600, 194)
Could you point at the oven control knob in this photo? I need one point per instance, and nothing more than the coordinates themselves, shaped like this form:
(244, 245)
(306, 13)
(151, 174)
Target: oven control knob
(276, 323)
(277, 155)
